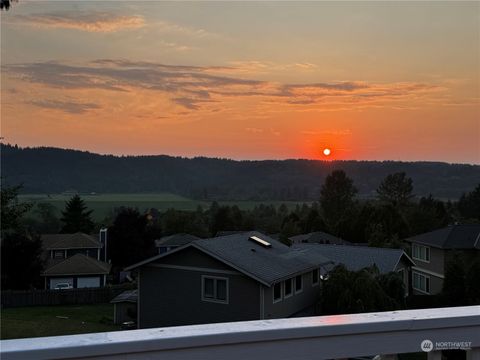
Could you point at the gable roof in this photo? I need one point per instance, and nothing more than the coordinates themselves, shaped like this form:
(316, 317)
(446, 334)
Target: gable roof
(264, 264)
(175, 240)
(69, 241)
(78, 264)
(319, 237)
(126, 296)
(358, 257)
(451, 237)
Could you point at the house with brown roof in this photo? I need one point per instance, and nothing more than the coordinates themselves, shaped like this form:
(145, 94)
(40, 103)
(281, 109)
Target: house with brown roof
(73, 259)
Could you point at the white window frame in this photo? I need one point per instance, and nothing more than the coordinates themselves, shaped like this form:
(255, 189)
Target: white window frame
(214, 299)
(295, 283)
(425, 277)
(318, 277)
(292, 289)
(281, 292)
(427, 250)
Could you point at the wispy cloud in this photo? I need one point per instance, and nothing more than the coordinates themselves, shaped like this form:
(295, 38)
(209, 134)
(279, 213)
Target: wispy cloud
(254, 130)
(169, 27)
(65, 106)
(192, 87)
(337, 132)
(102, 22)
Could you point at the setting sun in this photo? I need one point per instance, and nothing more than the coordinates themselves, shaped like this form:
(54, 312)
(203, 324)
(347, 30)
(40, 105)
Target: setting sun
(326, 152)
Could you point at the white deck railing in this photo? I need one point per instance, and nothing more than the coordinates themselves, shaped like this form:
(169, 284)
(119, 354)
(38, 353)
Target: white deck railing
(322, 337)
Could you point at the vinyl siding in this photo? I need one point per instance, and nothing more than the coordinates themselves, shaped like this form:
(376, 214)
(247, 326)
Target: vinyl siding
(293, 304)
(173, 296)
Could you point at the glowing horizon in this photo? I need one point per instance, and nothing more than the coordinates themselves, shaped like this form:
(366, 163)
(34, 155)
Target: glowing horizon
(260, 80)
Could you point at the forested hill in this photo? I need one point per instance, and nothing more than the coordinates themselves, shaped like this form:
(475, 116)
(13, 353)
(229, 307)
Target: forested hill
(53, 170)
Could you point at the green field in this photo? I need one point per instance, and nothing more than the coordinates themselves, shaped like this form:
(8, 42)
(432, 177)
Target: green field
(104, 204)
(38, 321)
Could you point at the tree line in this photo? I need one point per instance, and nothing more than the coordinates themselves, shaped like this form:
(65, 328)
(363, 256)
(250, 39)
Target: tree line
(53, 170)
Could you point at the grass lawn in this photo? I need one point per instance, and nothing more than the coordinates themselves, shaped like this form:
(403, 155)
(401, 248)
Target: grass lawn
(103, 204)
(38, 321)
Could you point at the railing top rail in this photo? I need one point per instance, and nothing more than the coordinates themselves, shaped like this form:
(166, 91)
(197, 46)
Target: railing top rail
(408, 328)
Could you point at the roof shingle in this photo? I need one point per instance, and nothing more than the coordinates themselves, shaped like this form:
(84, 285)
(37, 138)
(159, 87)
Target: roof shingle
(358, 257)
(78, 264)
(69, 241)
(451, 237)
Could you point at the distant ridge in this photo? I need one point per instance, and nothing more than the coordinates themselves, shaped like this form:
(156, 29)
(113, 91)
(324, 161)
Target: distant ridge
(54, 170)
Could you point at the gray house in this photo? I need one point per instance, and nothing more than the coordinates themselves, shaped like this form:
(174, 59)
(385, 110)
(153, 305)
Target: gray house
(244, 276)
(174, 241)
(433, 250)
(358, 257)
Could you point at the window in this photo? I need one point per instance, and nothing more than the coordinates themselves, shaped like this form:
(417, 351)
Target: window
(421, 282)
(58, 254)
(277, 292)
(420, 252)
(298, 284)
(315, 277)
(401, 273)
(288, 288)
(215, 289)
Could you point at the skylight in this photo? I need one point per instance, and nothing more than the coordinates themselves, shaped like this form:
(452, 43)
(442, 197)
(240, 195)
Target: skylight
(259, 241)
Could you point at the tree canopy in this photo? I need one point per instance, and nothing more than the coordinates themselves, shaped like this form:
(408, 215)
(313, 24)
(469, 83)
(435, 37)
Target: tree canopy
(12, 210)
(396, 189)
(469, 204)
(346, 292)
(337, 200)
(131, 238)
(20, 250)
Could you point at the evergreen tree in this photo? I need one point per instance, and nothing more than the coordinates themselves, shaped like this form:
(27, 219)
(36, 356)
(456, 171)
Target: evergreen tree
(337, 201)
(76, 217)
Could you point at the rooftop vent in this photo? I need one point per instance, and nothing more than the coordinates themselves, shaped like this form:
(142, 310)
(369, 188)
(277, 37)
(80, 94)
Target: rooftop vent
(259, 241)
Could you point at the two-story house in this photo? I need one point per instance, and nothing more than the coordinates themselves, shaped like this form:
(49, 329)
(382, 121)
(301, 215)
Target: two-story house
(243, 276)
(433, 250)
(73, 259)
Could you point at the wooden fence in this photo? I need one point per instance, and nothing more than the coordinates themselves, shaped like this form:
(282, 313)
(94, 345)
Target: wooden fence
(19, 298)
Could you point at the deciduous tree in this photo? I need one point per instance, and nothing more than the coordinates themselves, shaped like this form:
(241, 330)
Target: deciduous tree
(396, 189)
(130, 239)
(469, 204)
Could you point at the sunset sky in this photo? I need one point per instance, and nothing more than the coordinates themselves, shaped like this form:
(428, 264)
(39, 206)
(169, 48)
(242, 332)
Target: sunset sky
(252, 80)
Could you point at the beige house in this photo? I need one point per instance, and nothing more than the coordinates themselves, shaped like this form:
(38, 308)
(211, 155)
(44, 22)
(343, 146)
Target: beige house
(433, 250)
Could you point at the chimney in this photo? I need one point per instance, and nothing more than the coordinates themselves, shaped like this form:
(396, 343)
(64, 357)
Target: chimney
(103, 239)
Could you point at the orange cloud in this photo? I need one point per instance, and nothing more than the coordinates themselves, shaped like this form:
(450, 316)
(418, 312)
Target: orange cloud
(82, 21)
(195, 88)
